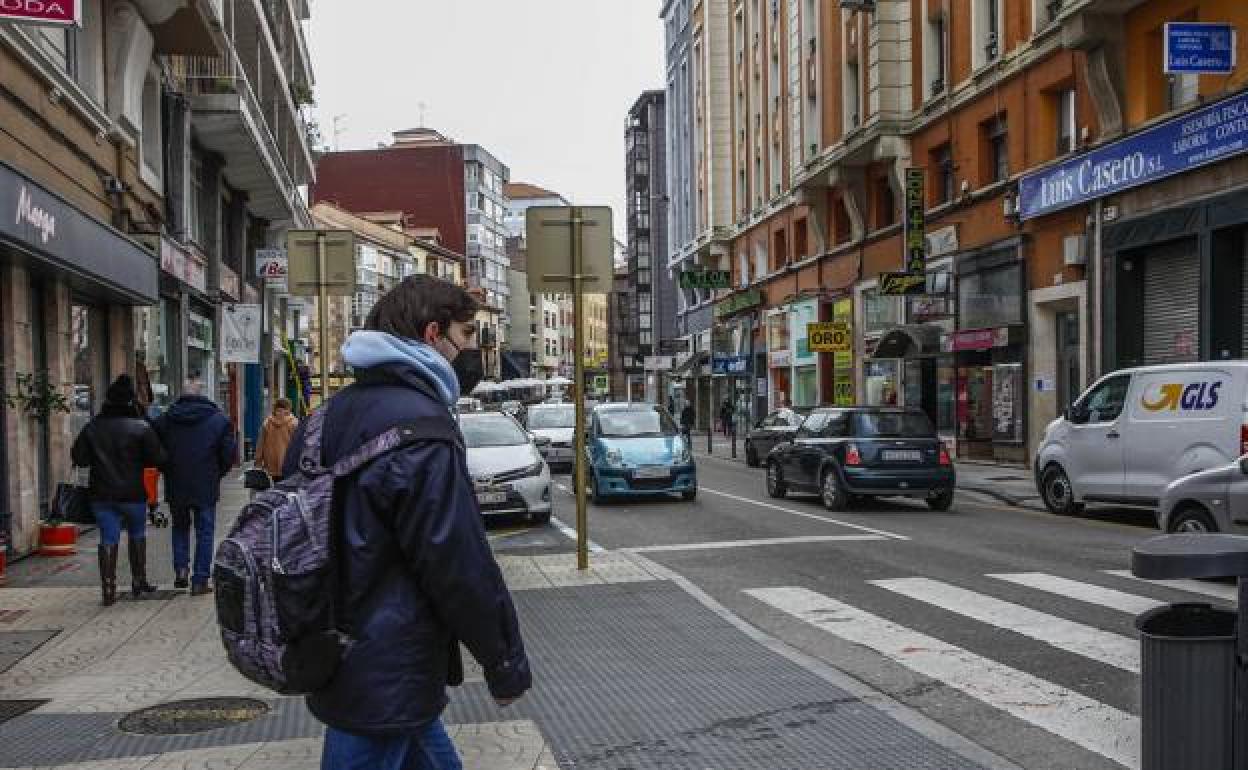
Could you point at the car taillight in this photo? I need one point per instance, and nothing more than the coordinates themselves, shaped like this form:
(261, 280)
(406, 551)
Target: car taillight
(852, 455)
(944, 456)
(1243, 439)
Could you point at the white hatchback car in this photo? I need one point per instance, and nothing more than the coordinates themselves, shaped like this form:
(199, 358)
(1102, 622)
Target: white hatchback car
(557, 423)
(508, 472)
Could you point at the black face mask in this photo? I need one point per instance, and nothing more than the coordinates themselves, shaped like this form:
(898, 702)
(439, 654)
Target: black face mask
(469, 369)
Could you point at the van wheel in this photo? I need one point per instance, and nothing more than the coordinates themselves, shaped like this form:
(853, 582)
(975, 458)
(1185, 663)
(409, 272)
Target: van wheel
(1058, 495)
(1193, 520)
(751, 457)
(941, 501)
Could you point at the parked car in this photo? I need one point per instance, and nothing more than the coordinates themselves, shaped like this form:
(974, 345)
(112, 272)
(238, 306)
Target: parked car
(1137, 430)
(468, 404)
(556, 422)
(1215, 500)
(507, 469)
(851, 452)
(636, 449)
(776, 428)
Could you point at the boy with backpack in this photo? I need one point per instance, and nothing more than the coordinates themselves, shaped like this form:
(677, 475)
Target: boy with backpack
(379, 567)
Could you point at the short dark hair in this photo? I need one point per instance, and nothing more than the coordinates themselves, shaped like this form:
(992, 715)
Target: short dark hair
(281, 403)
(408, 309)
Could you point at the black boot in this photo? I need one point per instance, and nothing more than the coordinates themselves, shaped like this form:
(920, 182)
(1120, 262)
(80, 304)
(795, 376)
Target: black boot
(108, 574)
(181, 578)
(138, 568)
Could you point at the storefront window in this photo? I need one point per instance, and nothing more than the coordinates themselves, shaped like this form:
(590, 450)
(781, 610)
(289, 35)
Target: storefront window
(881, 313)
(200, 347)
(991, 298)
(1007, 402)
(155, 329)
(805, 386)
(89, 345)
(778, 332)
(883, 380)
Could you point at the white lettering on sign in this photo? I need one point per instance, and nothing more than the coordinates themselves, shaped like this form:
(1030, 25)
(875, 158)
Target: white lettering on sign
(34, 6)
(36, 217)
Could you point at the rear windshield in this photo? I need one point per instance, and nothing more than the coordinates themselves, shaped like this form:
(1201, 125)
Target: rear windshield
(552, 417)
(635, 423)
(894, 425)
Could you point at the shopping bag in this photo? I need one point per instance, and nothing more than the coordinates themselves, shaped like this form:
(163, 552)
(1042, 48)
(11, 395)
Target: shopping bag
(72, 505)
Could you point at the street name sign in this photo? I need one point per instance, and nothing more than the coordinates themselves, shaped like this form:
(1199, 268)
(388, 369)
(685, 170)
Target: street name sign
(549, 238)
(1199, 48)
(303, 269)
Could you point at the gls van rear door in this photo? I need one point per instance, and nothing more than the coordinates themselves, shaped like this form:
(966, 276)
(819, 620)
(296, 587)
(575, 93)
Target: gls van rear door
(1177, 422)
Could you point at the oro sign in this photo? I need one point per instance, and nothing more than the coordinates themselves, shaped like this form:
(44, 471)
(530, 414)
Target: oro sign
(829, 337)
(59, 12)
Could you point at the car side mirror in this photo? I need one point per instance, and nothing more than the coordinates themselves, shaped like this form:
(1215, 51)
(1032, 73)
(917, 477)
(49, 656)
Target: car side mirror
(541, 441)
(1243, 465)
(1077, 415)
(257, 479)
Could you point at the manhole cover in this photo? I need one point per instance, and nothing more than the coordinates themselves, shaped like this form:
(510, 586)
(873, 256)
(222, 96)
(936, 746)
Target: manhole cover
(193, 716)
(9, 709)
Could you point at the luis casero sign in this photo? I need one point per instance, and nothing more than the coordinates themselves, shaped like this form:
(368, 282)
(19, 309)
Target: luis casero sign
(1184, 143)
(1199, 48)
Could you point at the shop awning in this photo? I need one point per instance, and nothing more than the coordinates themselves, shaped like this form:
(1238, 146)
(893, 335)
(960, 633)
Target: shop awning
(695, 361)
(909, 341)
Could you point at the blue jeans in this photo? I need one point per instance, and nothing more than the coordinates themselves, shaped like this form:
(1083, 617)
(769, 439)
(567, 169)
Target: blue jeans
(427, 749)
(110, 517)
(205, 521)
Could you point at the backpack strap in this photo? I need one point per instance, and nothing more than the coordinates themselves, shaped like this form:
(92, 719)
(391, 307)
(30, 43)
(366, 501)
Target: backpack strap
(422, 430)
(310, 458)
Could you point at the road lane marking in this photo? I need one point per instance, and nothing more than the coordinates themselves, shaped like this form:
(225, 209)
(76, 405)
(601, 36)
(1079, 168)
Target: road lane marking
(1083, 592)
(1108, 648)
(1095, 726)
(803, 514)
(719, 544)
(570, 534)
(1217, 590)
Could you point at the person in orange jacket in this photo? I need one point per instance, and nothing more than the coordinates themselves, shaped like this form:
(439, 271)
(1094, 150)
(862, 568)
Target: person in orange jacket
(275, 437)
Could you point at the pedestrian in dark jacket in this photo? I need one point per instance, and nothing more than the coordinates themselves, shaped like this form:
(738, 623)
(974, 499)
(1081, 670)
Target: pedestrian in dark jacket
(200, 444)
(417, 571)
(687, 419)
(117, 444)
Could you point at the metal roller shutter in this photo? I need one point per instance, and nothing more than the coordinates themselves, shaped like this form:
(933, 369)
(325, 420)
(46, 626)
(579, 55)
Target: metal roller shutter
(1243, 304)
(1172, 304)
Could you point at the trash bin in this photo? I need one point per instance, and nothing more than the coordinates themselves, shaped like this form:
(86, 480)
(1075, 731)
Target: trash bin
(1187, 687)
(1193, 680)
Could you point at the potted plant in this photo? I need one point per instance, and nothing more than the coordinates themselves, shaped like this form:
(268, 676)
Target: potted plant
(35, 396)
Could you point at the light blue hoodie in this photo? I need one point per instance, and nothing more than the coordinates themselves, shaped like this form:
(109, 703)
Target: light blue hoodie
(366, 349)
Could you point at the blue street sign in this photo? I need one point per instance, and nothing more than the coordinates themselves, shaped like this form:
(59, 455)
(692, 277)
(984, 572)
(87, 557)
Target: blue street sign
(1189, 141)
(730, 364)
(1199, 48)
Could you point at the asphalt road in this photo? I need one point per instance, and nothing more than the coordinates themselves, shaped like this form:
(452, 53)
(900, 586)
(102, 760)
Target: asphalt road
(1005, 625)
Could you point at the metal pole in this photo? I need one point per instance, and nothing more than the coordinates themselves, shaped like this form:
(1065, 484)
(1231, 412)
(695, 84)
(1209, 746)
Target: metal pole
(578, 287)
(322, 309)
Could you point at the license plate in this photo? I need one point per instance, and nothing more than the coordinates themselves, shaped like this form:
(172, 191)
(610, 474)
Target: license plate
(902, 455)
(653, 472)
(491, 498)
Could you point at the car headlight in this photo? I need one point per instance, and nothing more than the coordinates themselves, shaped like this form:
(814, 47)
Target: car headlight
(614, 458)
(684, 456)
(533, 470)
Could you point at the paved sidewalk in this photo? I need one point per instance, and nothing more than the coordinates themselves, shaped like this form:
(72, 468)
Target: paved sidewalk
(1009, 484)
(634, 668)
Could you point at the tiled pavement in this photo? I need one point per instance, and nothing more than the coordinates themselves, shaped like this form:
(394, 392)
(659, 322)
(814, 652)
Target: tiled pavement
(633, 669)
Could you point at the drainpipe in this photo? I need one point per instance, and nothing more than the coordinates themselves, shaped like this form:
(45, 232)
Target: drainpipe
(1095, 277)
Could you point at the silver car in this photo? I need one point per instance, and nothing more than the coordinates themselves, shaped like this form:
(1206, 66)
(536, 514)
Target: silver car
(1209, 501)
(508, 472)
(557, 423)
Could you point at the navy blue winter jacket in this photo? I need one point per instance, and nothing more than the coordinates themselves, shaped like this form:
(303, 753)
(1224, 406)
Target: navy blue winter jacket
(418, 574)
(199, 446)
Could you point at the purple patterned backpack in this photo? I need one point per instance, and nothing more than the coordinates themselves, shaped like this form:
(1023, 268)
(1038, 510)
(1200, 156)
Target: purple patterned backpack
(275, 575)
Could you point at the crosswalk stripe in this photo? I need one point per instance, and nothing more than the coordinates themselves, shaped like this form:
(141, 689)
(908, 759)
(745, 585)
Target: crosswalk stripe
(1111, 649)
(1216, 590)
(721, 544)
(1080, 591)
(1099, 728)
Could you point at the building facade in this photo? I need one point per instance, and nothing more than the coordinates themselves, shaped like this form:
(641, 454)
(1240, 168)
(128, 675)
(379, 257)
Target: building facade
(447, 192)
(646, 307)
(138, 195)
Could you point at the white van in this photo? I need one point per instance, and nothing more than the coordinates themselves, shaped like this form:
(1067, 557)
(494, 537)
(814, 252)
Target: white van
(1137, 430)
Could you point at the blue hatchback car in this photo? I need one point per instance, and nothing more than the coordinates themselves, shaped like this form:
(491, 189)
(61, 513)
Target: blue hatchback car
(636, 450)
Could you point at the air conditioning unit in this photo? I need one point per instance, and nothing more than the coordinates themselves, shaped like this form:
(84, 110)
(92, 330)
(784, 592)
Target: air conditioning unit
(1074, 250)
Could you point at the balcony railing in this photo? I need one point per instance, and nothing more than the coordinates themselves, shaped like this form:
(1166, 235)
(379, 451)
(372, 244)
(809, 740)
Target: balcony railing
(226, 76)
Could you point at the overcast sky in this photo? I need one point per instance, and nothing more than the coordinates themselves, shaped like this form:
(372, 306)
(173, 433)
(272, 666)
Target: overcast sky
(544, 85)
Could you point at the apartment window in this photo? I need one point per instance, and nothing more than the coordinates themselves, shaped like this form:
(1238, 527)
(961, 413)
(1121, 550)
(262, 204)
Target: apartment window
(1065, 121)
(996, 144)
(853, 87)
(1181, 90)
(150, 144)
(942, 168)
(986, 25)
(196, 224)
(935, 47)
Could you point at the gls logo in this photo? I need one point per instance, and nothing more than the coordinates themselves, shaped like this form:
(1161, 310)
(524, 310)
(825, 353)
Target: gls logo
(1196, 396)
